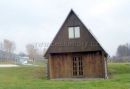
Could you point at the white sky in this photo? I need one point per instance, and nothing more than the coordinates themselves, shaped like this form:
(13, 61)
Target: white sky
(37, 21)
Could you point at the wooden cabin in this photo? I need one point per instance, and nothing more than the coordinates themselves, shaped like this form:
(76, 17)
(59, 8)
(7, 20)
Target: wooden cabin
(75, 53)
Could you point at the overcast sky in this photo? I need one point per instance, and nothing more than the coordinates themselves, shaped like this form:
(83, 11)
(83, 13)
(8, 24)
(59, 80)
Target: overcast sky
(37, 21)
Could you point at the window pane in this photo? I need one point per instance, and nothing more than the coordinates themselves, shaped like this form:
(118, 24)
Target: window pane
(71, 32)
(77, 32)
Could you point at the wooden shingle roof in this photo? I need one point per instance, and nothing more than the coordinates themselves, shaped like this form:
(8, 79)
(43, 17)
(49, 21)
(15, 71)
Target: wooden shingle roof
(62, 44)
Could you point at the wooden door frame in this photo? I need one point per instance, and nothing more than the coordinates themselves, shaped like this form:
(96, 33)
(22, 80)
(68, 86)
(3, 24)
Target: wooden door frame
(80, 65)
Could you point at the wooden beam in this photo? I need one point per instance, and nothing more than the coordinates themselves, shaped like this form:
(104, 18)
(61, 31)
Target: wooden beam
(106, 68)
(50, 67)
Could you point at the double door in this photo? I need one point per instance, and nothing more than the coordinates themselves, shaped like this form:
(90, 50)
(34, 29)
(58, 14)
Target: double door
(77, 66)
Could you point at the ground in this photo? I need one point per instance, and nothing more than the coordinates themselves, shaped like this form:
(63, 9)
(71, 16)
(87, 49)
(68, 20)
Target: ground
(25, 77)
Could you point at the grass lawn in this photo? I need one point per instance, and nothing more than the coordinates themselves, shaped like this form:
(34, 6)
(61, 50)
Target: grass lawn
(33, 78)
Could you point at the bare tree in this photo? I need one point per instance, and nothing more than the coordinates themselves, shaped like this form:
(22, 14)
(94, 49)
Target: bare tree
(32, 52)
(9, 46)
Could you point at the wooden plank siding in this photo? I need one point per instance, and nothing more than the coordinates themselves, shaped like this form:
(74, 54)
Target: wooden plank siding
(93, 65)
(61, 65)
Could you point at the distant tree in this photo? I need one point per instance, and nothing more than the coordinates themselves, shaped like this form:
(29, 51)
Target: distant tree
(9, 46)
(32, 51)
(123, 50)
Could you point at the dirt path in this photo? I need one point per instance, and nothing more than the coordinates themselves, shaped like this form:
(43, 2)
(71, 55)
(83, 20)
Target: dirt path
(8, 65)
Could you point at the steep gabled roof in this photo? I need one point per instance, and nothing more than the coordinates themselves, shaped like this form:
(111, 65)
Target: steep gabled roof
(62, 44)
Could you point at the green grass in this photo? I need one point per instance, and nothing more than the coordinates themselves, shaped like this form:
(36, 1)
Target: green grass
(33, 78)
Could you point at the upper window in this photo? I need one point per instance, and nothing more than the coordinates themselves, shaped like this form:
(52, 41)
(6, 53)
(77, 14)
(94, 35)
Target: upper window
(74, 32)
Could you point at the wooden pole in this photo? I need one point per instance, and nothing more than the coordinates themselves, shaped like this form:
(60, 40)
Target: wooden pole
(106, 68)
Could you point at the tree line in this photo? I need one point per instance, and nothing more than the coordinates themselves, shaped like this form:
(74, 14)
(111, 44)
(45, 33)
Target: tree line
(7, 48)
(123, 50)
(122, 53)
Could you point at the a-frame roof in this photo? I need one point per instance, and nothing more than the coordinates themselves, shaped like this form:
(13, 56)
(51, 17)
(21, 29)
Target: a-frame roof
(62, 44)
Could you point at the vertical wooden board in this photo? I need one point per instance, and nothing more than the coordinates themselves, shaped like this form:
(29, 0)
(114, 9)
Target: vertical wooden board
(64, 60)
(49, 67)
(59, 66)
(62, 67)
(96, 64)
(69, 65)
(103, 66)
(65, 66)
(85, 65)
(89, 65)
(59, 70)
(53, 66)
(88, 70)
(56, 66)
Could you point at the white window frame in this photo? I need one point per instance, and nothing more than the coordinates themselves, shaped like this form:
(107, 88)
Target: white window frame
(77, 32)
(74, 32)
(71, 32)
